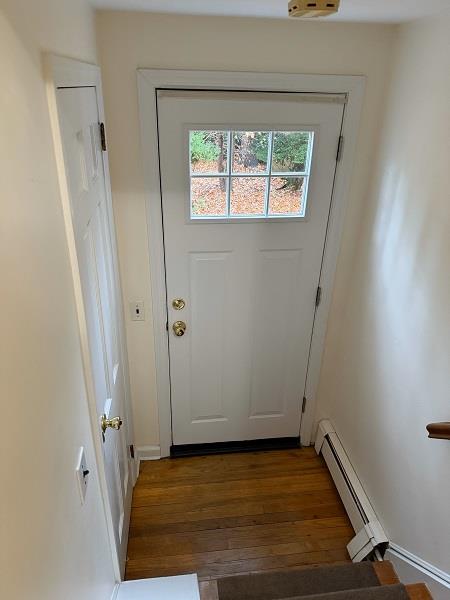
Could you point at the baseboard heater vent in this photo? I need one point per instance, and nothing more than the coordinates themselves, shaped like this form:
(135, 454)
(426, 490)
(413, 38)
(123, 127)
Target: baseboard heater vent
(370, 540)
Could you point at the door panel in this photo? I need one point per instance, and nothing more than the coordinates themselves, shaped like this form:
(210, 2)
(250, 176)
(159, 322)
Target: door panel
(244, 231)
(277, 277)
(208, 282)
(84, 164)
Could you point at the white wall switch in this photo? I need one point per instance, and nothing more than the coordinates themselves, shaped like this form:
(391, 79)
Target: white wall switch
(82, 474)
(137, 310)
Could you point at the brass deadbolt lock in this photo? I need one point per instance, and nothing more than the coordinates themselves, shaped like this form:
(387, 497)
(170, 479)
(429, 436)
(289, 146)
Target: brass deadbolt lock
(178, 304)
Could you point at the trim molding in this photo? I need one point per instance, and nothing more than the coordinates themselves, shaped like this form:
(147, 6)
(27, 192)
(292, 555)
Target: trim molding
(148, 453)
(149, 81)
(115, 591)
(413, 569)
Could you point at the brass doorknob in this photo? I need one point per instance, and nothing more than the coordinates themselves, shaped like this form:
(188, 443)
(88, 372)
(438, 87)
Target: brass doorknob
(179, 328)
(114, 423)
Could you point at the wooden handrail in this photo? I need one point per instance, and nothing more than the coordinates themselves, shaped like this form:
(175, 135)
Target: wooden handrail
(439, 431)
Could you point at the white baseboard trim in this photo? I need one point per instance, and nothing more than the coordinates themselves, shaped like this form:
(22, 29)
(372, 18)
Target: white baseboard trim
(115, 591)
(412, 569)
(148, 453)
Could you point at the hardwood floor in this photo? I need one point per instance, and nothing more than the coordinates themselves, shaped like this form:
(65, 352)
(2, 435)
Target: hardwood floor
(235, 513)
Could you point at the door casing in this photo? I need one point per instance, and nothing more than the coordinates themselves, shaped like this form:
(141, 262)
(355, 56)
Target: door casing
(60, 73)
(151, 80)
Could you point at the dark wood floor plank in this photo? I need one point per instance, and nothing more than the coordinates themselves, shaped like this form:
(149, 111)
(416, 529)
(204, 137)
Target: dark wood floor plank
(242, 488)
(236, 513)
(177, 524)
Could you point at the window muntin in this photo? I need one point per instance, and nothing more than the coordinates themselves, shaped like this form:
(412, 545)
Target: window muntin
(264, 175)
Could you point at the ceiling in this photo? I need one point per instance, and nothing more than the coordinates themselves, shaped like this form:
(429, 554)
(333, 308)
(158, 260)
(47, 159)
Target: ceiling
(377, 11)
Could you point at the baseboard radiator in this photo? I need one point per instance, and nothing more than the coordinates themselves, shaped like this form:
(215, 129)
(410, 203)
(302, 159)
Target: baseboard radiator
(370, 540)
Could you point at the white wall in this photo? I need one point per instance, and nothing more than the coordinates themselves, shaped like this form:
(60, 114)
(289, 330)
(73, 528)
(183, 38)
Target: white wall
(131, 40)
(51, 547)
(386, 371)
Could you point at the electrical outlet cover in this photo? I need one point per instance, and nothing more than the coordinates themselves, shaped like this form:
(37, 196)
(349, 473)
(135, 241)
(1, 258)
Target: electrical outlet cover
(82, 474)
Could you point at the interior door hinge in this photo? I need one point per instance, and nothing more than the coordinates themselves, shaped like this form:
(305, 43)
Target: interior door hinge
(318, 295)
(132, 450)
(102, 136)
(340, 148)
(304, 404)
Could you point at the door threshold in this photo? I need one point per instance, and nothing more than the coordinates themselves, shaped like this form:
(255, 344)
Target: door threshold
(285, 443)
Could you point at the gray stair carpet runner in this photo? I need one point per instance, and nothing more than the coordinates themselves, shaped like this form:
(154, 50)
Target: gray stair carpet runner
(334, 582)
(385, 592)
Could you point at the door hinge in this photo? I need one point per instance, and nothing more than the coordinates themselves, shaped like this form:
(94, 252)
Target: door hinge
(102, 136)
(318, 296)
(340, 148)
(132, 450)
(304, 404)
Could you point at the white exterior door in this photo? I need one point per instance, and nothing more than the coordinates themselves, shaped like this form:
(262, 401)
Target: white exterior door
(247, 181)
(83, 157)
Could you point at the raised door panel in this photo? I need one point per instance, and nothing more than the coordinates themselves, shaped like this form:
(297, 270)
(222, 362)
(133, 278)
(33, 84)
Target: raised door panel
(209, 282)
(273, 338)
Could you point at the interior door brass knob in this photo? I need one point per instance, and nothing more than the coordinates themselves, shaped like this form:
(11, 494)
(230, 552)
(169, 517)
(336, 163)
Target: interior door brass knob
(179, 328)
(114, 423)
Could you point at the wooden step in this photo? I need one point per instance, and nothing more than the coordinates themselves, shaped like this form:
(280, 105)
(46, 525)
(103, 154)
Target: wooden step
(379, 592)
(387, 576)
(323, 579)
(386, 573)
(418, 591)
(384, 570)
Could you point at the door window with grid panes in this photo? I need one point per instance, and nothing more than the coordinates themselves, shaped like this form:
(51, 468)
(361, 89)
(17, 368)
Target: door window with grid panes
(249, 174)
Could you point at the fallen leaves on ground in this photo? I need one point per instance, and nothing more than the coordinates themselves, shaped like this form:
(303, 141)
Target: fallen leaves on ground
(247, 195)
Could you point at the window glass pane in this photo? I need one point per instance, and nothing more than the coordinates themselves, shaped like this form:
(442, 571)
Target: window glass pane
(209, 196)
(287, 196)
(208, 151)
(250, 151)
(248, 195)
(291, 151)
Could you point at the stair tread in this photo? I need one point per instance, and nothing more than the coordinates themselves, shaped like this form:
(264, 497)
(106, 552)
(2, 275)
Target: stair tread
(385, 572)
(295, 583)
(418, 591)
(385, 592)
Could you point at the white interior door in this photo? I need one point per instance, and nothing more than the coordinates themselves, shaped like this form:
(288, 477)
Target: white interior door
(83, 156)
(247, 182)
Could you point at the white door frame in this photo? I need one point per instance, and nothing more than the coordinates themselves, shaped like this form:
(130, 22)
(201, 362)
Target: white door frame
(149, 81)
(59, 73)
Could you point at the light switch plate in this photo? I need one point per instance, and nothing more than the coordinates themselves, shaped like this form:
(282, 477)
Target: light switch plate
(82, 474)
(137, 310)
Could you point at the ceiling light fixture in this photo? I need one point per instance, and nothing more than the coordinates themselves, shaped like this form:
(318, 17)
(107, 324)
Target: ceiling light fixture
(310, 9)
